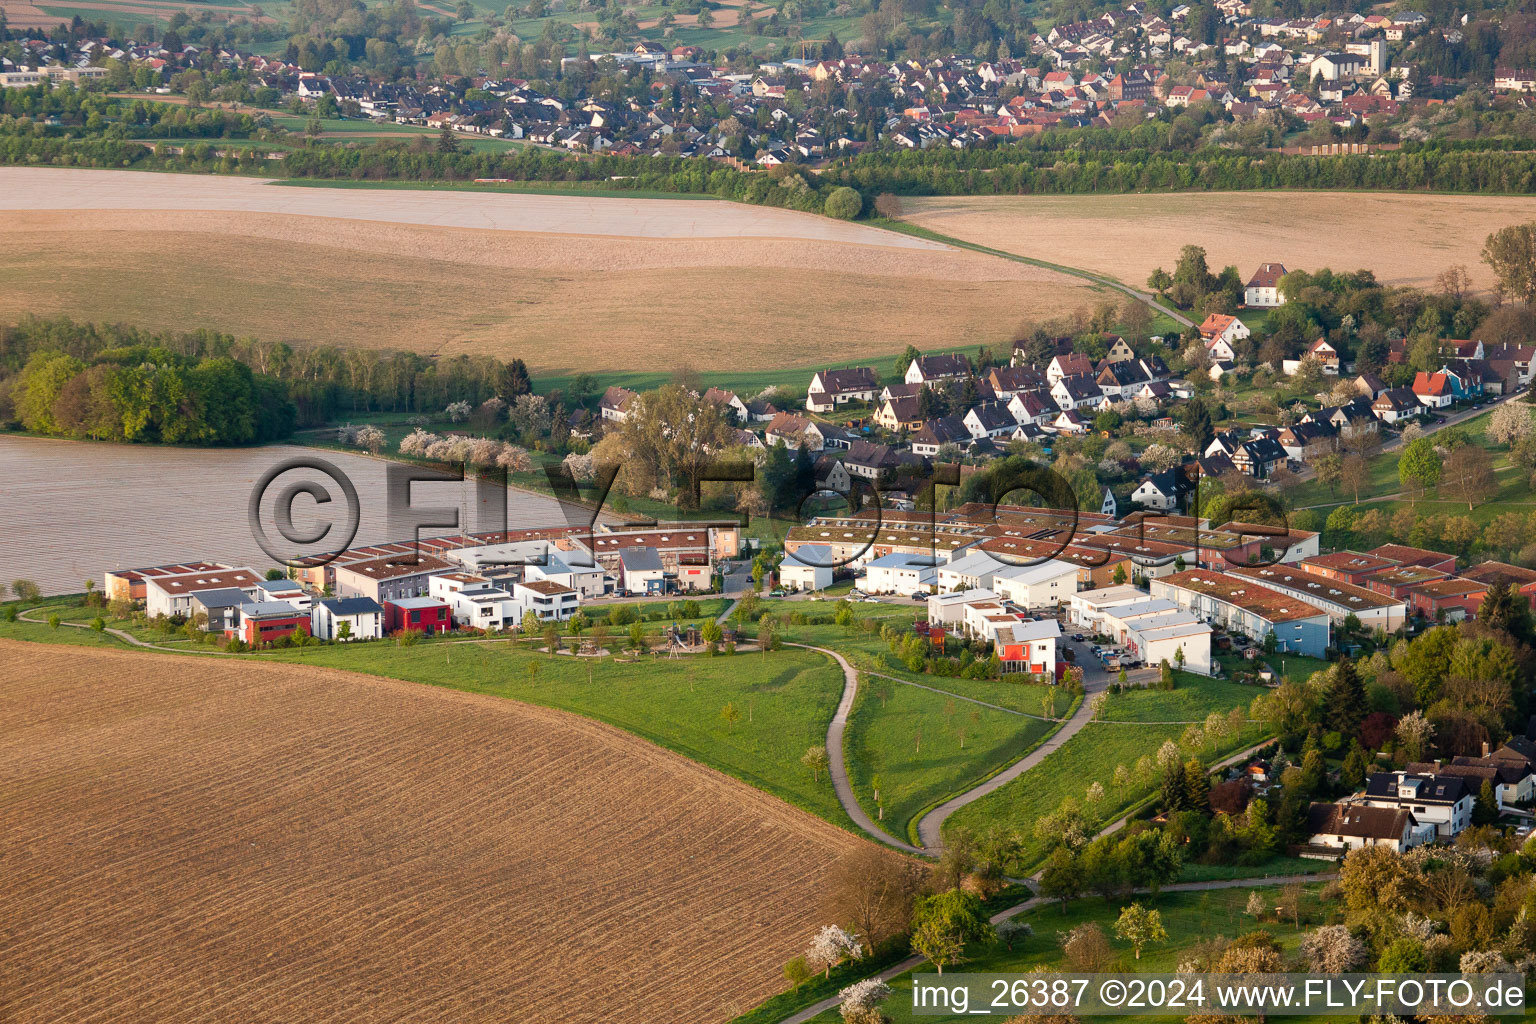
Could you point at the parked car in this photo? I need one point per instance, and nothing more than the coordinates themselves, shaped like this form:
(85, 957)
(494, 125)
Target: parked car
(776, 593)
(1078, 637)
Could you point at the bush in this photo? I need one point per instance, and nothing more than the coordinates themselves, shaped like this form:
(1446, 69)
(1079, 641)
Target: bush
(844, 203)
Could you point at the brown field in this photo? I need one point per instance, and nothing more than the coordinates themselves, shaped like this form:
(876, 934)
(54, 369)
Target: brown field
(198, 839)
(1406, 239)
(677, 291)
(28, 15)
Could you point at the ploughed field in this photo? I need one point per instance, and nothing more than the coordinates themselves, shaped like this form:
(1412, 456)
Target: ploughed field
(1405, 238)
(567, 283)
(199, 838)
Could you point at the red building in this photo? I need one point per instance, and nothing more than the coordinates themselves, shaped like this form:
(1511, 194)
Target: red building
(1402, 554)
(1518, 577)
(1449, 595)
(424, 613)
(269, 621)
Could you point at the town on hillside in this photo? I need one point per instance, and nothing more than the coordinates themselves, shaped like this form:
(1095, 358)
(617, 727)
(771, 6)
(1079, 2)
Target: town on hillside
(1344, 81)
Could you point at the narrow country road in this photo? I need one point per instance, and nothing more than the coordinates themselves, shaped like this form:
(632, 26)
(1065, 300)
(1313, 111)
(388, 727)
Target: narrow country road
(837, 767)
(912, 962)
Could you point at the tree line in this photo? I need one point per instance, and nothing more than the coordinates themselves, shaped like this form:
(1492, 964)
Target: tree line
(134, 384)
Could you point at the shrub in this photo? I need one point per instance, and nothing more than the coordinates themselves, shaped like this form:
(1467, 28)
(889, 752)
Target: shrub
(844, 203)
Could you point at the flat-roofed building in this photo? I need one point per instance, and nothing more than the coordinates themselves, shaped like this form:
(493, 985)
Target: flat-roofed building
(1087, 609)
(1339, 599)
(391, 577)
(547, 600)
(1242, 605)
(1516, 576)
(427, 614)
(901, 574)
(1450, 598)
(476, 603)
(948, 609)
(1353, 567)
(266, 622)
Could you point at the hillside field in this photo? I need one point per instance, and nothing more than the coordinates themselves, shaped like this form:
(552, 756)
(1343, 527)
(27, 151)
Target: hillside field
(567, 283)
(1406, 239)
(224, 840)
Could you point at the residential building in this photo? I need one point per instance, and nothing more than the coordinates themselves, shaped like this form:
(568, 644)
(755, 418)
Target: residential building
(566, 569)
(1339, 599)
(1433, 389)
(1029, 646)
(219, 608)
(1353, 826)
(475, 602)
(172, 595)
(641, 572)
(265, 622)
(1244, 606)
(902, 574)
(129, 584)
(1263, 288)
(1444, 801)
(807, 568)
(427, 614)
(546, 600)
(616, 404)
(832, 388)
(948, 609)
(935, 369)
(347, 619)
(391, 577)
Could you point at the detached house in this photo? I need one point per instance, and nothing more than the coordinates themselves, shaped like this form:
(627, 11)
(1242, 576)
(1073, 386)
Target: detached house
(990, 419)
(934, 369)
(896, 414)
(1080, 392)
(1160, 490)
(1352, 826)
(1263, 288)
(1259, 457)
(1444, 801)
(1325, 354)
(729, 404)
(1218, 332)
(832, 388)
(793, 431)
(617, 403)
(1072, 364)
(1433, 390)
(1396, 404)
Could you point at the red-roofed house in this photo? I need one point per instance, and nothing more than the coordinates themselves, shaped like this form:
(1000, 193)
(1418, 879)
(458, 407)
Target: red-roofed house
(1433, 389)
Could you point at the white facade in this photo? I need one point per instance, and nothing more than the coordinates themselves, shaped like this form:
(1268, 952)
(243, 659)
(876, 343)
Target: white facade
(473, 602)
(586, 580)
(546, 600)
(808, 567)
(1047, 585)
(949, 609)
(900, 574)
(363, 622)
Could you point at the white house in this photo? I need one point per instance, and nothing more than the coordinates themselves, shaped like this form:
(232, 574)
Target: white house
(1046, 585)
(1444, 801)
(1029, 646)
(949, 609)
(1159, 491)
(347, 618)
(172, 595)
(641, 571)
(475, 602)
(547, 600)
(286, 591)
(1352, 826)
(1219, 332)
(1263, 288)
(566, 569)
(808, 567)
(900, 574)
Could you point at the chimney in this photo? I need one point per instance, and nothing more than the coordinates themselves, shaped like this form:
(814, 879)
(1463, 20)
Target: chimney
(1437, 764)
(1486, 749)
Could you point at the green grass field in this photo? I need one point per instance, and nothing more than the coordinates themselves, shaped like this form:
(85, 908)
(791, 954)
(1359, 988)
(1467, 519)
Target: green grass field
(1195, 697)
(1189, 918)
(925, 747)
(1092, 755)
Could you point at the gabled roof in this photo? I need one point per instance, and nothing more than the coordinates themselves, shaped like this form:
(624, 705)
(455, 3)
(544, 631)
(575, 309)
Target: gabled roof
(618, 399)
(1267, 276)
(1433, 385)
(1358, 821)
(854, 378)
(640, 560)
(945, 365)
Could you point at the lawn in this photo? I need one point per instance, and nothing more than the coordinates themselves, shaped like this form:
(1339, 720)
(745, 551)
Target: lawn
(919, 748)
(1091, 756)
(1194, 698)
(1190, 918)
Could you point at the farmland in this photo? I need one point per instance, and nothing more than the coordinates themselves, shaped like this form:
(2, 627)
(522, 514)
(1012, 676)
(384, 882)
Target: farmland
(508, 275)
(276, 842)
(1404, 239)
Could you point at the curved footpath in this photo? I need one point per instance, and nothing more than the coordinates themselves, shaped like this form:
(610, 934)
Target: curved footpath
(913, 962)
(837, 768)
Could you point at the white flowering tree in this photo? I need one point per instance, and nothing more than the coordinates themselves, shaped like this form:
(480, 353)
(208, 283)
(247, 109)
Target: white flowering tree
(860, 1002)
(514, 459)
(370, 438)
(417, 442)
(1333, 950)
(458, 412)
(831, 946)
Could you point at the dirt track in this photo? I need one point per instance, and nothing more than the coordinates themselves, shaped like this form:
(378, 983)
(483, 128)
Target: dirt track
(199, 840)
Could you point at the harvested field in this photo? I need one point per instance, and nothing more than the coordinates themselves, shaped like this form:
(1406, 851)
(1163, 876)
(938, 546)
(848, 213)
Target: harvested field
(1406, 239)
(678, 293)
(201, 839)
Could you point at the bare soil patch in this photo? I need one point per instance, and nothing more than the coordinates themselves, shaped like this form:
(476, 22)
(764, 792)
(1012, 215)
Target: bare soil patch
(208, 839)
(1406, 239)
(561, 302)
